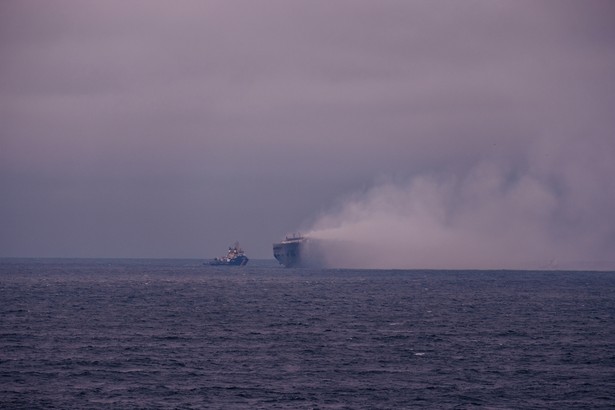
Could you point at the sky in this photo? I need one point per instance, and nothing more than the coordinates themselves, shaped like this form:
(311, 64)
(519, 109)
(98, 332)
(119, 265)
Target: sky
(427, 134)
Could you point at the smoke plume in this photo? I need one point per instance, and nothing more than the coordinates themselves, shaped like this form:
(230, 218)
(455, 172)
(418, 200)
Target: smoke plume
(549, 215)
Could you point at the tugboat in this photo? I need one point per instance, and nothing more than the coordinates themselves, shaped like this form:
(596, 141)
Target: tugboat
(234, 257)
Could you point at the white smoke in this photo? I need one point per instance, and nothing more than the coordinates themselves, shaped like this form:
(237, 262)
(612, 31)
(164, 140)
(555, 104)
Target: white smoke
(492, 217)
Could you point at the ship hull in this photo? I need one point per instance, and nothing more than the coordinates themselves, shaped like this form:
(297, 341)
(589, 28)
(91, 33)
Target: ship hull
(298, 252)
(288, 253)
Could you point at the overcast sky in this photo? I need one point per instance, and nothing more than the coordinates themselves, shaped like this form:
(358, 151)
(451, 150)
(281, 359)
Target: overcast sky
(172, 129)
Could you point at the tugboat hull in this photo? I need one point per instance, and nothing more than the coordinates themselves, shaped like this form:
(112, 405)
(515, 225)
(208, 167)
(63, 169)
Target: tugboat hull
(237, 261)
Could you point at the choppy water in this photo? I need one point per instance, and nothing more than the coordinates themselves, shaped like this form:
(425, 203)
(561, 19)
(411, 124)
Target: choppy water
(177, 334)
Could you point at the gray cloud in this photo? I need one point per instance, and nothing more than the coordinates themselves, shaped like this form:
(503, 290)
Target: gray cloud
(159, 129)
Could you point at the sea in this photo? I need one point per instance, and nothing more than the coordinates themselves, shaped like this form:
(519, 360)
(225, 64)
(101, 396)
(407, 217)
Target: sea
(178, 334)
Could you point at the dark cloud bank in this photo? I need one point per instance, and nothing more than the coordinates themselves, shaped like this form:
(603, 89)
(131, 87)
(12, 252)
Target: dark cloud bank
(441, 134)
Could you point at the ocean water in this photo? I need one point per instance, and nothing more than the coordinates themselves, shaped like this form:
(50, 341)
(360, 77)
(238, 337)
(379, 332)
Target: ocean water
(166, 334)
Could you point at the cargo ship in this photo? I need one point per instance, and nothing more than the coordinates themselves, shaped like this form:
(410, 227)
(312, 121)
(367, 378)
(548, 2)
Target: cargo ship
(234, 257)
(297, 251)
(288, 252)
